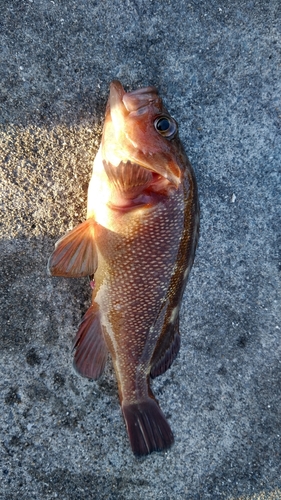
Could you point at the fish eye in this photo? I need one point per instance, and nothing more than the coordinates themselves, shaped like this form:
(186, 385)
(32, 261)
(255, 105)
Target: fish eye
(166, 126)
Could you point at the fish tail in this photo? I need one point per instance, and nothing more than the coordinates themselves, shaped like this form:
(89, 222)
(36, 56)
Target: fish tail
(147, 427)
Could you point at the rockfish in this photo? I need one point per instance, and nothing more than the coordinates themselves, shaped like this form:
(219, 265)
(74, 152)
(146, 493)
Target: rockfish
(138, 244)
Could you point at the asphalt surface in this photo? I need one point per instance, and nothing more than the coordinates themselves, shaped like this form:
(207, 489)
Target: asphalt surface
(218, 67)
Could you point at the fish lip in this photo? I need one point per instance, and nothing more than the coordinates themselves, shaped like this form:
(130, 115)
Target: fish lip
(116, 86)
(143, 201)
(129, 207)
(116, 93)
(137, 101)
(144, 90)
(132, 101)
(174, 178)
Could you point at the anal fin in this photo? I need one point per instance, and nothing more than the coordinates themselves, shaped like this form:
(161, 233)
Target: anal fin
(147, 427)
(75, 254)
(89, 344)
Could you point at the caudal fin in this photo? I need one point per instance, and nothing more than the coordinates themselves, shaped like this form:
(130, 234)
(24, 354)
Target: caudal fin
(147, 427)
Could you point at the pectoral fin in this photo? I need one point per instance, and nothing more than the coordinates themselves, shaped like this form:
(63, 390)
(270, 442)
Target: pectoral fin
(75, 253)
(90, 348)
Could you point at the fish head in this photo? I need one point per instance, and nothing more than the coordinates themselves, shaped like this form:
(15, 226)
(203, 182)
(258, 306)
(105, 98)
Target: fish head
(140, 147)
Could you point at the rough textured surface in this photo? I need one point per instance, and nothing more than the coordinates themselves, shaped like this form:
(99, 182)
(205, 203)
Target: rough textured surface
(218, 67)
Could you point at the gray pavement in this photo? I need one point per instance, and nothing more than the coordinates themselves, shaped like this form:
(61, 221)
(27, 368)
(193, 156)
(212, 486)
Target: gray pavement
(218, 67)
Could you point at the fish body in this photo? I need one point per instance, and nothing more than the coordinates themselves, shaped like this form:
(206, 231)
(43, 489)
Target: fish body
(139, 242)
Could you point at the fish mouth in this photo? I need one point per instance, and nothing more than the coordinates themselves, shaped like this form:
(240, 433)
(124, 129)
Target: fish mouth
(135, 186)
(130, 136)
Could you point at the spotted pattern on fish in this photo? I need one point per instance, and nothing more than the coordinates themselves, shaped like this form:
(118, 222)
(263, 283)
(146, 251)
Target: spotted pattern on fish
(137, 245)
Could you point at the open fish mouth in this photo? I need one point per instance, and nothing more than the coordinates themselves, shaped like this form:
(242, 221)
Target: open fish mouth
(138, 133)
(135, 185)
(127, 175)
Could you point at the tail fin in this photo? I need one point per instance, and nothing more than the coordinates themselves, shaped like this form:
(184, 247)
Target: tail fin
(147, 427)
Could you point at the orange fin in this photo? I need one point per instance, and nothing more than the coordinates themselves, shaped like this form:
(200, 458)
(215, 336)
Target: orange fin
(90, 348)
(75, 253)
(147, 427)
(166, 353)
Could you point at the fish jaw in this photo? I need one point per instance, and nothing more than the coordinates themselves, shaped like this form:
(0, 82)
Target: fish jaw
(130, 135)
(108, 201)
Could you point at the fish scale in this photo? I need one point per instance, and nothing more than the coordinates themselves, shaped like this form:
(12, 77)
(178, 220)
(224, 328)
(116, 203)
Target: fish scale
(139, 242)
(149, 278)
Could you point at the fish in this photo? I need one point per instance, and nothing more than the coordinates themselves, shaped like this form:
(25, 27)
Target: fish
(137, 244)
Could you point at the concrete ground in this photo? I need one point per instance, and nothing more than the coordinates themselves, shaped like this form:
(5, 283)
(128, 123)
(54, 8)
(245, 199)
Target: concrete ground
(218, 66)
